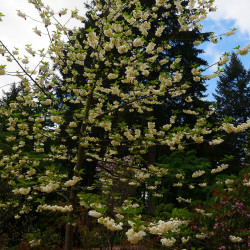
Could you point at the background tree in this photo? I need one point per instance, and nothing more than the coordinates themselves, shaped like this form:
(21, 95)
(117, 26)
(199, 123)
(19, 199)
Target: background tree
(10, 96)
(233, 98)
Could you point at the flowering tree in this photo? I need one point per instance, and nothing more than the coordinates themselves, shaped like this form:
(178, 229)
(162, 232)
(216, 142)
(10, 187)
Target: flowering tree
(52, 147)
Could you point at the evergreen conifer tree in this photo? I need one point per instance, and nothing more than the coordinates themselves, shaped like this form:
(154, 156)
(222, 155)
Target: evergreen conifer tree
(10, 95)
(233, 98)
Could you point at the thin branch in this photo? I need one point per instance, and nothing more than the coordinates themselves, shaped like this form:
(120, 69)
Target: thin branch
(66, 198)
(32, 79)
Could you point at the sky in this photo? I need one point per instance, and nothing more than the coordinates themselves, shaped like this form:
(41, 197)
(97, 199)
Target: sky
(16, 32)
(229, 14)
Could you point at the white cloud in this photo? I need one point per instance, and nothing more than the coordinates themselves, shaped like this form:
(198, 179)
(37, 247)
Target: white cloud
(236, 10)
(212, 54)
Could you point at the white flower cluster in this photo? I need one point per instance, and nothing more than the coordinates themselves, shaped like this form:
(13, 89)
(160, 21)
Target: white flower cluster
(179, 176)
(108, 32)
(229, 128)
(197, 42)
(224, 60)
(164, 226)
(198, 210)
(244, 51)
(160, 2)
(159, 30)
(35, 243)
(219, 168)
(246, 183)
(177, 76)
(2, 50)
(185, 240)
(21, 14)
(168, 242)
(201, 211)
(48, 188)
(23, 191)
(72, 182)
(30, 172)
(10, 138)
(195, 72)
(46, 21)
(188, 99)
(63, 12)
(134, 237)
(235, 238)
(179, 184)
(93, 39)
(190, 112)
(122, 49)
(216, 141)
(56, 119)
(55, 208)
(150, 48)
(94, 213)
(180, 199)
(141, 175)
(197, 139)
(229, 33)
(106, 125)
(72, 124)
(211, 76)
(119, 216)
(157, 195)
(127, 204)
(30, 50)
(202, 184)
(110, 224)
(198, 173)
(138, 42)
(229, 181)
(2, 71)
(200, 236)
(112, 76)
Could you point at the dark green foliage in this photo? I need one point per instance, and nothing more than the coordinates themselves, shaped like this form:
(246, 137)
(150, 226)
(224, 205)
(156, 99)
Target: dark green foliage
(185, 163)
(12, 230)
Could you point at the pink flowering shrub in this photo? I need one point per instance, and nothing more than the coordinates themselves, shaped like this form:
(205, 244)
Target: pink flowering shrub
(222, 222)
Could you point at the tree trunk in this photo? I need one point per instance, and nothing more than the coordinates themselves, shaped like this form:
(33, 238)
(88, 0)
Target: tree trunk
(69, 237)
(151, 160)
(69, 234)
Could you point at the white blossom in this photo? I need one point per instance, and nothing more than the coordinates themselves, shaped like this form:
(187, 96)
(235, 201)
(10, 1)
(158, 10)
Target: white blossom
(134, 237)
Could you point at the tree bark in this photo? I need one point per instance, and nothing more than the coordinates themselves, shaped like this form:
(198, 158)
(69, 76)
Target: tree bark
(69, 244)
(69, 234)
(69, 237)
(151, 160)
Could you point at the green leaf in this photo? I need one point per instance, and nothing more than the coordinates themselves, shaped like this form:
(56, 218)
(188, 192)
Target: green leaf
(237, 47)
(151, 118)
